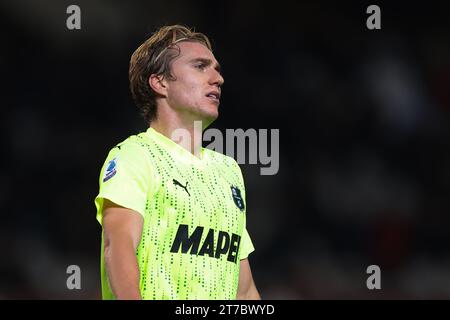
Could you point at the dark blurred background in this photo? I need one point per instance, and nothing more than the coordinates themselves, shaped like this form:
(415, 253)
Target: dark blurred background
(364, 174)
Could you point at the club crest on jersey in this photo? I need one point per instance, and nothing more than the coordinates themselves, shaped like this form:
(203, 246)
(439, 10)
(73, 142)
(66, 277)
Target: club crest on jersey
(111, 170)
(237, 198)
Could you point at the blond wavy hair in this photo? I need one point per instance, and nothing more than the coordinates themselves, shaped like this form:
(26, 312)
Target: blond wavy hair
(154, 56)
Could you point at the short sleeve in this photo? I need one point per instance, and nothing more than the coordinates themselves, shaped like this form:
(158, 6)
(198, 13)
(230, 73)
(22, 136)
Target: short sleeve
(124, 179)
(246, 245)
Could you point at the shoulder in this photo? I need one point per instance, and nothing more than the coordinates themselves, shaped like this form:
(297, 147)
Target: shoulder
(227, 165)
(220, 158)
(131, 150)
(136, 143)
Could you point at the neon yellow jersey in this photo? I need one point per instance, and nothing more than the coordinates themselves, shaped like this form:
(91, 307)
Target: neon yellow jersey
(194, 231)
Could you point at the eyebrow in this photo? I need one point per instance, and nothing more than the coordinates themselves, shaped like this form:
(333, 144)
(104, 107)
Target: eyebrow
(208, 62)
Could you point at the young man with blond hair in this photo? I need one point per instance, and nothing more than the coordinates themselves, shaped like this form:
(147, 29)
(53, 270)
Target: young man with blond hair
(173, 213)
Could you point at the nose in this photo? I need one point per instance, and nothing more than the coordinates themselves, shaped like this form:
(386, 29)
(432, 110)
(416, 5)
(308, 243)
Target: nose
(217, 79)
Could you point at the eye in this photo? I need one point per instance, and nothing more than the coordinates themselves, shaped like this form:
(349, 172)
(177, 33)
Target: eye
(200, 65)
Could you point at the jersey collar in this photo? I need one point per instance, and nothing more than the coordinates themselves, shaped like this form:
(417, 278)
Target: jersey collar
(178, 151)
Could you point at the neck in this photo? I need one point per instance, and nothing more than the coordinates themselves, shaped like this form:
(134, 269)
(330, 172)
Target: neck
(186, 133)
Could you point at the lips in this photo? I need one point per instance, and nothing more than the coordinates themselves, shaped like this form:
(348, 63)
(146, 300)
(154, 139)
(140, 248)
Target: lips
(214, 95)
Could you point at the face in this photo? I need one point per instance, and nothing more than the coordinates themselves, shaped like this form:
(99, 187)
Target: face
(197, 88)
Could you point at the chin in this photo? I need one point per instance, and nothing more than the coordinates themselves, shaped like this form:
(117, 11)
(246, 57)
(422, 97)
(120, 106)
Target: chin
(210, 112)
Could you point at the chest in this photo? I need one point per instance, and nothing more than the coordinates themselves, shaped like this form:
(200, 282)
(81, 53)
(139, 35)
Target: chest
(209, 197)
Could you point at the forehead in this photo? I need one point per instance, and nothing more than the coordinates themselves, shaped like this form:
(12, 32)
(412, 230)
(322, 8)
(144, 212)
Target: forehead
(194, 50)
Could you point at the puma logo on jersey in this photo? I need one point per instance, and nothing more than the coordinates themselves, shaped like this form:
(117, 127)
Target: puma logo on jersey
(214, 247)
(175, 182)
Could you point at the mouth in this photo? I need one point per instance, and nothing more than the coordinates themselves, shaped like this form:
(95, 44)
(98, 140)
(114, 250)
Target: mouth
(214, 96)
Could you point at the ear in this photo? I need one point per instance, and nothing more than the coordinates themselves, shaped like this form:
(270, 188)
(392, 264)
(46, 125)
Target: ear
(158, 84)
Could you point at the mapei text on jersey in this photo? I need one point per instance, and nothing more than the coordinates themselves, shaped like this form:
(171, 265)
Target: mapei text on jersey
(225, 244)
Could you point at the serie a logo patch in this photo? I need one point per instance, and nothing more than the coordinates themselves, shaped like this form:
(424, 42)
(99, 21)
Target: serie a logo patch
(237, 198)
(111, 169)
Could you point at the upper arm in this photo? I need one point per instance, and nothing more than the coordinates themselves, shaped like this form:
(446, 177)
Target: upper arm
(119, 222)
(246, 287)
